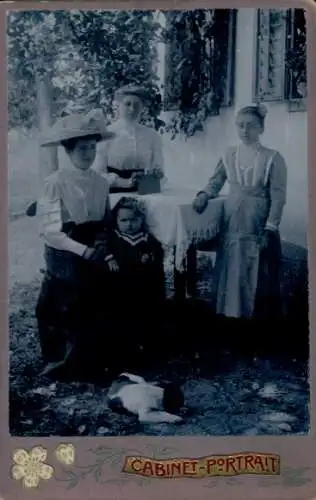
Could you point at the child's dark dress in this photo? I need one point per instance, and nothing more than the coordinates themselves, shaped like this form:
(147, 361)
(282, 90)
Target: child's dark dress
(140, 279)
(137, 289)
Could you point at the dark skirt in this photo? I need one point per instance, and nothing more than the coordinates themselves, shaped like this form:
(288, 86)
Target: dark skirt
(95, 327)
(269, 304)
(71, 310)
(57, 313)
(73, 334)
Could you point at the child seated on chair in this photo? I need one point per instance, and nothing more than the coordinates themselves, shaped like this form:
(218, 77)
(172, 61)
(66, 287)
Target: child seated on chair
(135, 255)
(137, 280)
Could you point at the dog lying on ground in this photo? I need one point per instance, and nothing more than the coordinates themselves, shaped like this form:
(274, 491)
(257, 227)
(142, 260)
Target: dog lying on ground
(150, 402)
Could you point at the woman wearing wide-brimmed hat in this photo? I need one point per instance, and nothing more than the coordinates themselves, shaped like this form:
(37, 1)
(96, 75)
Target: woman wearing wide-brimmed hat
(136, 148)
(75, 212)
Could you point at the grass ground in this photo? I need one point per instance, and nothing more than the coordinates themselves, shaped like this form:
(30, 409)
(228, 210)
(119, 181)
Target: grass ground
(253, 395)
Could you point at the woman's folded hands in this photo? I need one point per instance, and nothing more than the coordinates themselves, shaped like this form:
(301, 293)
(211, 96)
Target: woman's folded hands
(97, 253)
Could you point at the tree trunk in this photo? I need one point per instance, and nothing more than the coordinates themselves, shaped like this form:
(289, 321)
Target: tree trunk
(48, 155)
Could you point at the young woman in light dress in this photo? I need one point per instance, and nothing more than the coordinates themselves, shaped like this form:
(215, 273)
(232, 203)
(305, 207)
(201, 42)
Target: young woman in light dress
(246, 277)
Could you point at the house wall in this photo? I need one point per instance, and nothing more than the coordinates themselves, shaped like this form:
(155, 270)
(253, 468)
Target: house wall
(190, 162)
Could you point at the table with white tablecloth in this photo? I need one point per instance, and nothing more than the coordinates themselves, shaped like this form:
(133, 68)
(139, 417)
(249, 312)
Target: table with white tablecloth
(172, 220)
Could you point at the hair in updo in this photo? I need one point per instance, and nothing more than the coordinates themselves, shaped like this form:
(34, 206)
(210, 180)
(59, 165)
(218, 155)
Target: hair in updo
(259, 111)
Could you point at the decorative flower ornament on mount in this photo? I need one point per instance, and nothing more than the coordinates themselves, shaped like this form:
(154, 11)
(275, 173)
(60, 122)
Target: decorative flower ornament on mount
(65, 454)
(30, 466)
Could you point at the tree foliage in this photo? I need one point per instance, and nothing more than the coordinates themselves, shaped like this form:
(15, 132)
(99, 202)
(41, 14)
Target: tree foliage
(87, 56)
(296, 59)
(198, 61)
(34, 39)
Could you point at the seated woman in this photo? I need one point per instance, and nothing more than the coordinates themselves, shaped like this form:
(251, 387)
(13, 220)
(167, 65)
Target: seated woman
(76, 213)
(135, 149)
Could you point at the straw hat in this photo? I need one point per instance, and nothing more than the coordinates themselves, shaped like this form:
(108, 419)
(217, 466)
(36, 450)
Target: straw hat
(135, 90)
(75, 126)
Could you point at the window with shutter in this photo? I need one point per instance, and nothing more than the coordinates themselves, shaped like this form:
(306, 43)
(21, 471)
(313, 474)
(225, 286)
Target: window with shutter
(281, 57)
(200, 57)
(271, 52)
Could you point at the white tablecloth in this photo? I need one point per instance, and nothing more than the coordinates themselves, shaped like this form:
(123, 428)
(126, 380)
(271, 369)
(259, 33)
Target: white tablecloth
(174, 223)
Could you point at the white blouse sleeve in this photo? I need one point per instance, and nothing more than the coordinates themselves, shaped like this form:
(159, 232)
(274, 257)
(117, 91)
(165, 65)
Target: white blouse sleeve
(51, 228)
(101, 163)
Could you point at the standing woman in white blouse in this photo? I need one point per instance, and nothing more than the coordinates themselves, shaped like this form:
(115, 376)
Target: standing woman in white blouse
(135, 148)
(75, 212)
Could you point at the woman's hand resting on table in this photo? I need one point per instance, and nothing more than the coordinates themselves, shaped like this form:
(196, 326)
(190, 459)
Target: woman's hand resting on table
(200, 202)
(267, 236)
(126, 183)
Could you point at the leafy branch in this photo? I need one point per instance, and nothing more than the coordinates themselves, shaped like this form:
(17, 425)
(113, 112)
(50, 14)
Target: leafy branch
(86, 54)
(105, 456)
(113, 458)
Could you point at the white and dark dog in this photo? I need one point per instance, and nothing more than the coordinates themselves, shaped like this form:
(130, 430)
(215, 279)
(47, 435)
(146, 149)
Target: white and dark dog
(150, 402)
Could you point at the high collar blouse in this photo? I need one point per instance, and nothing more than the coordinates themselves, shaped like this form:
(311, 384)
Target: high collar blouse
(135, 146)
(72, 195)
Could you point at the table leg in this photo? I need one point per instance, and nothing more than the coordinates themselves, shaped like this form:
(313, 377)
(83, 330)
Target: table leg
(179, 278)
(192, 270)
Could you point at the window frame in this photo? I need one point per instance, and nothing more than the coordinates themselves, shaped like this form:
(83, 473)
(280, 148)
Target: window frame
(294, 103)
(257, 97)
